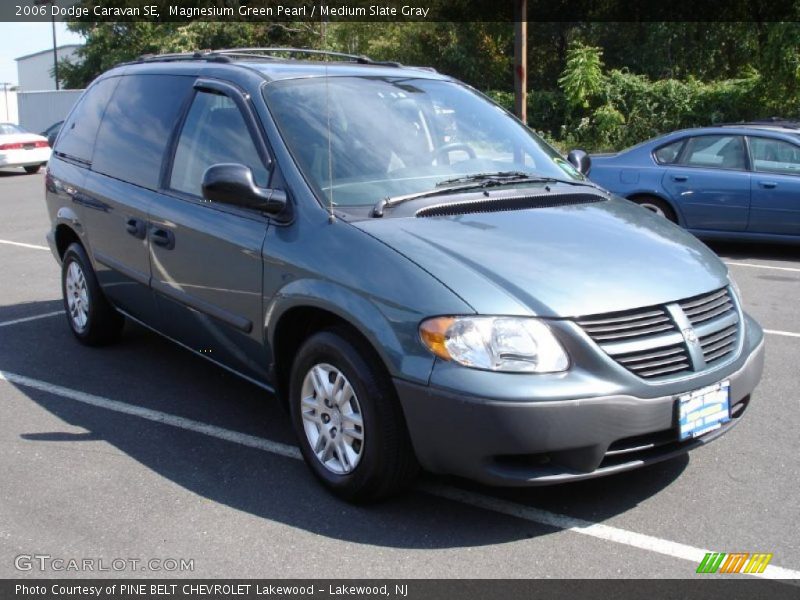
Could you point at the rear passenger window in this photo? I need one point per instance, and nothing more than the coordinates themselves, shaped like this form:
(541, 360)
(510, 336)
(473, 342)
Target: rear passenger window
(80, 129)
(214, 132)
(775, 156)
(715, 151)
(137, 127)
(667, 155)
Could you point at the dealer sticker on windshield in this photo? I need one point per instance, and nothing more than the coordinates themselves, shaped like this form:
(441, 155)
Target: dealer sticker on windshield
(704, 410)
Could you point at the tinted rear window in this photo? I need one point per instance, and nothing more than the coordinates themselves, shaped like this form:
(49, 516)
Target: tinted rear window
(137, 127)
(80, 129)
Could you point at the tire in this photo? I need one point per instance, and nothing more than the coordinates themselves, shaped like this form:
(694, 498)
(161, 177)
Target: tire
(656, 205)
(32, 169)
(90, 316)
(376, 459)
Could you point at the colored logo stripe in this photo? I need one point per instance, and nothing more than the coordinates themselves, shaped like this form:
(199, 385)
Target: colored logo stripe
(713, 562)
(758, 562)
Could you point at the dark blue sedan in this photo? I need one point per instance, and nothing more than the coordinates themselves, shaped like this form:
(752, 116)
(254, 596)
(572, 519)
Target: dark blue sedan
(734, 182)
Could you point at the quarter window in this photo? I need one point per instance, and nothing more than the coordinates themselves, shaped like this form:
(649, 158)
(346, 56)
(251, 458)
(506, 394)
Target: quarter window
(667, 155)
(775, 156)
(80, 129)
(214, 132)
(137, 126)
(715, 151)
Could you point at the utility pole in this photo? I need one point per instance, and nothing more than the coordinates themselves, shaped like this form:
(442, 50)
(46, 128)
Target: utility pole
(55, 46)
(5, 85)
(521, 59)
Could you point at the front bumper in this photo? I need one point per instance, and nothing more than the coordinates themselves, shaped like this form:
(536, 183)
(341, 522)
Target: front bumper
(518, 443)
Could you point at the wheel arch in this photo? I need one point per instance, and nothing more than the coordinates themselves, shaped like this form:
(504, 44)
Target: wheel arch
(308, 307)
(641, 195)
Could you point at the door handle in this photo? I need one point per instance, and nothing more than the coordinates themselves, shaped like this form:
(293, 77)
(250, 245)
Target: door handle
(163, 238)
(136, 227)
(679, 178)
(768, 184)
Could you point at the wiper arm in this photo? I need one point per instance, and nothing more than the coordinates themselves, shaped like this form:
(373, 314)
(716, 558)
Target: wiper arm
(472, 182)
(509, 177)
(478, 177)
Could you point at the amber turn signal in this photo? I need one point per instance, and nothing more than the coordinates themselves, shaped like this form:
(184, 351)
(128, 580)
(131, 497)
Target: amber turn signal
(433, 333)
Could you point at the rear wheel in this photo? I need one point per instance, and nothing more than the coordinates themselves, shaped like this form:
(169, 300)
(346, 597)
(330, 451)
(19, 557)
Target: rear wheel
(30, 170)
(91, 318)
(656, 205)
(348, 420)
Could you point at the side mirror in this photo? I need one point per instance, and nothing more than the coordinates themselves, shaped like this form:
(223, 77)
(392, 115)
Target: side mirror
(580, 160)
(233, 184)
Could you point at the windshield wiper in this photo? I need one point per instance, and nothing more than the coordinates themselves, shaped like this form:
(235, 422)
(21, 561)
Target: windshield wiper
(472, 182)
(507, 177)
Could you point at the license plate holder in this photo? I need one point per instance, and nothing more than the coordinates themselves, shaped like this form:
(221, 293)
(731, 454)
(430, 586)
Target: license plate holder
(704, 410)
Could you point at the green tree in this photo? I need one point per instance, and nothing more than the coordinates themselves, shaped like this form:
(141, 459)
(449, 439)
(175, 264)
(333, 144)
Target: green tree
(583, 78)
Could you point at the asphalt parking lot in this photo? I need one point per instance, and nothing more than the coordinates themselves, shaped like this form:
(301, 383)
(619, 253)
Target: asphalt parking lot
(143, 451)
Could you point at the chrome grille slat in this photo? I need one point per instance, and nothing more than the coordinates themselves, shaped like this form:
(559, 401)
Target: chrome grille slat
(591, 329)
(715, 337)
(713, 348)
(710, 315)
(657, 363)
(707, 307)
(720, 353)
(645, 315)
(688, 304)
(674, 369)
(667, 352)
(650, 343)
(632, 333)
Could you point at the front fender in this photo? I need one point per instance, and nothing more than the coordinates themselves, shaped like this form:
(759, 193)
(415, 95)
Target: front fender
(390, 329)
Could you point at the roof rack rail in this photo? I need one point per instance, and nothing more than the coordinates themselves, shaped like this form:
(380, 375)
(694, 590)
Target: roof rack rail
(209, 55)
(269, 52)
(227, 55)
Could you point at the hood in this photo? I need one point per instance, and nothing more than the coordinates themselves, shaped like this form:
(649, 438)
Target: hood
(557, 262)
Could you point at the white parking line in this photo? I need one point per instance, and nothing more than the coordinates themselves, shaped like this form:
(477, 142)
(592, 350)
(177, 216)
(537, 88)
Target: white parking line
(535, 515)
(756, 266)
(34, 318)
(23, 245)
(786, 333)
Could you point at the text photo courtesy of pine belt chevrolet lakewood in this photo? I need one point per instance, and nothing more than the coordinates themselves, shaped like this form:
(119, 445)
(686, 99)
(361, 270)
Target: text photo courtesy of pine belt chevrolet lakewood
(422, 280)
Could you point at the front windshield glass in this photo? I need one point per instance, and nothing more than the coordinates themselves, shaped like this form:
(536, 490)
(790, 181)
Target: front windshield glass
(395, 136)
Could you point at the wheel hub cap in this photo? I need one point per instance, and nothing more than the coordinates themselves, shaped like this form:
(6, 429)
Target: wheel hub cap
(77, 296)
(332, 419)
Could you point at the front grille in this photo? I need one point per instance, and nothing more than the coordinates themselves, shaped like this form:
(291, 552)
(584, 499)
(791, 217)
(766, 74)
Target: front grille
(656, 342)
(627, 325)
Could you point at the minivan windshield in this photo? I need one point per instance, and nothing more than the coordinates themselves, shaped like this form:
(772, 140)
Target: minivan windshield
(361, 139)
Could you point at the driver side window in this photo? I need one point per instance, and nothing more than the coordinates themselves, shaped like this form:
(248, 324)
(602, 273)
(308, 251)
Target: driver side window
(214, 132)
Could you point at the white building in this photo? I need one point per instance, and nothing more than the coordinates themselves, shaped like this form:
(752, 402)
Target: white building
(34, 71)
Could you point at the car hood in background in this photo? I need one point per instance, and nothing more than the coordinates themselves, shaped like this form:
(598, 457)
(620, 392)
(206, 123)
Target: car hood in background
(557, 262)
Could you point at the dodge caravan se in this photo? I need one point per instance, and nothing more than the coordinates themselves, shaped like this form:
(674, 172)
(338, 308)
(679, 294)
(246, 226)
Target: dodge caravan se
(422, 279)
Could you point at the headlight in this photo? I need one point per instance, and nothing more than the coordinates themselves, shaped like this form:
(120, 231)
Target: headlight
(510, 344)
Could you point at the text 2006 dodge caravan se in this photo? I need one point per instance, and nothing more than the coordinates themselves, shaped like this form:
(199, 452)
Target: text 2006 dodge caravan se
(421, 278)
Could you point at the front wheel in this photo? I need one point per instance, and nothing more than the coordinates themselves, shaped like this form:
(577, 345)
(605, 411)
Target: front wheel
(348, 420)
(30, 170)
(91, 318)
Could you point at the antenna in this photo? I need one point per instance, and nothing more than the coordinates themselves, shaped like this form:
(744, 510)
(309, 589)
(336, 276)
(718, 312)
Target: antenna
(331, 215)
